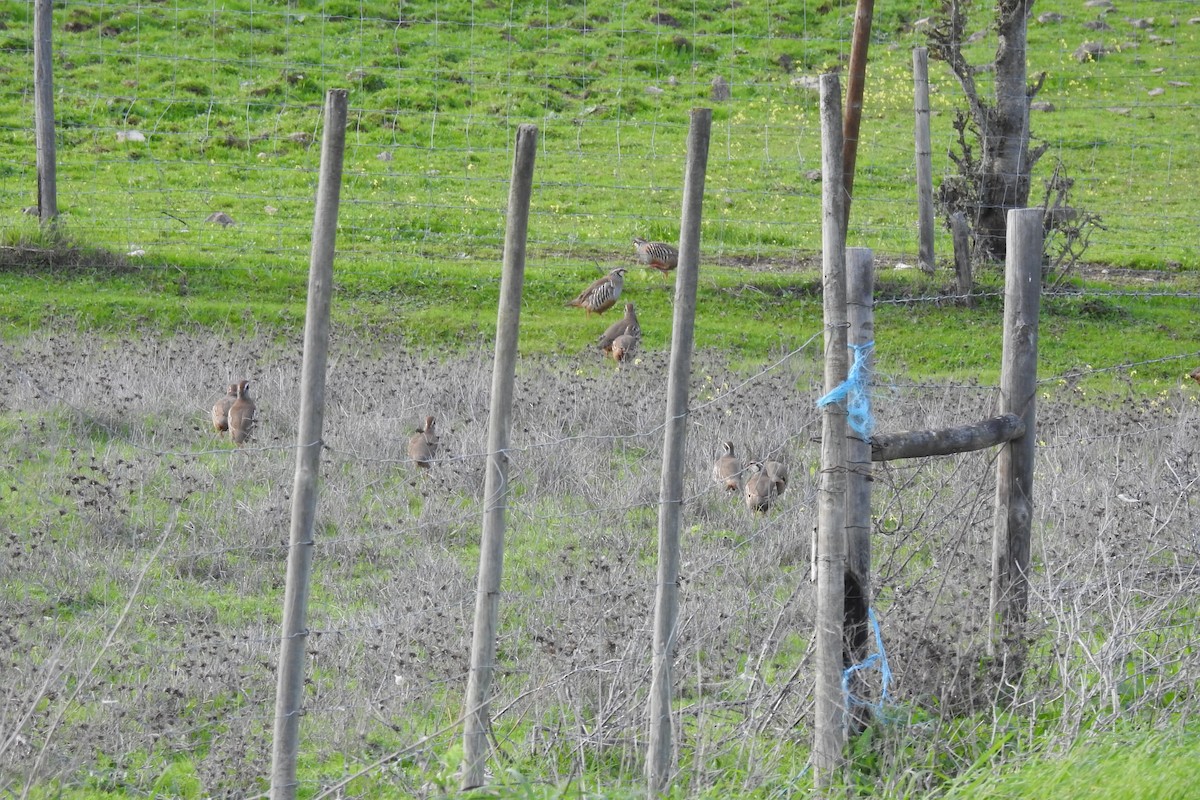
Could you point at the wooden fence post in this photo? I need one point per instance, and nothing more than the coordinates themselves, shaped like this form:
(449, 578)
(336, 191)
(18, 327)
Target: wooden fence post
(856, 80)
(829, 717)
(1014, 466)
(495, 487)
(43, 109)
(962, 255)
(925, 256)
(289, 693)
(860, 313)
(659, 757)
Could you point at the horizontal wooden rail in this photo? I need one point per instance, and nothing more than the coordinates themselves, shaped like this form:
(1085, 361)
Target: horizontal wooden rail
(963, 439)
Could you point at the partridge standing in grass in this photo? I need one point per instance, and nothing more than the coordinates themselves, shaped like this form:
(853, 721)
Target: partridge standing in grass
(626, 325)
(241, 414)
(220, 409)
(1195, 374)
(623, 347)
(778, 473)
(727, 470)
(423, 445)
(659, 255)
(760, 489)
(601, 295)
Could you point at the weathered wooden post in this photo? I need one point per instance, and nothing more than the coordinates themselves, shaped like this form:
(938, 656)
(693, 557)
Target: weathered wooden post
(660, 755)
(1014, 466)
(962, 255)
(289, 693)
(43, 109)
(925, 256)
(860, 313)
(947, 441)
(856, 81)
(829, 728)
(495, 484)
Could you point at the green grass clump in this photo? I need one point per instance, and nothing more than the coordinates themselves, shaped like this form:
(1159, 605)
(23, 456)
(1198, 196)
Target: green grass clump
(1155, 766)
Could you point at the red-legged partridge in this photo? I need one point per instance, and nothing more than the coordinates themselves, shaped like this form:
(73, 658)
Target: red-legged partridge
(241, 414)
(727, 470)
(760, 489)
(657, 255)
(623, 347)
(627, 324)
(423, 445)
(778, 473)
(220, 409)
(602, 294)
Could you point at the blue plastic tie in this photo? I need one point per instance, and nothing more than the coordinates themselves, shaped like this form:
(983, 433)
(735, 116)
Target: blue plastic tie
(854, 392)
(877, 660)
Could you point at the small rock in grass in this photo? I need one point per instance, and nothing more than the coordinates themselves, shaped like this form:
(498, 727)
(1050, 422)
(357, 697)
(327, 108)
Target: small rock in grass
(720, 89)
(1089, 51)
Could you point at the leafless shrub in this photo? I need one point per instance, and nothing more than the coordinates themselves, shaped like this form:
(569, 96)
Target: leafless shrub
(1068, 229)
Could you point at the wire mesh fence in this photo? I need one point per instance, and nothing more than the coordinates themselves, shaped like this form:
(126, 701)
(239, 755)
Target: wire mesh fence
(147, 557)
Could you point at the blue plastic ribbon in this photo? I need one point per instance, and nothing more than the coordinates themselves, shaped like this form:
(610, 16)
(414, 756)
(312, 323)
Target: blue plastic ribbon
(877, 660)
(854, 392)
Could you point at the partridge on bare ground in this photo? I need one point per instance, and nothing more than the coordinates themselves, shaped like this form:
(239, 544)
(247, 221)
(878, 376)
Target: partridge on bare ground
(727, 470)
(241, 414)
(760, 489)
(220, 409)
(602, 294)
(658, 255)
(778, 473)
(423, 445)
(627, 324)
(623, 347)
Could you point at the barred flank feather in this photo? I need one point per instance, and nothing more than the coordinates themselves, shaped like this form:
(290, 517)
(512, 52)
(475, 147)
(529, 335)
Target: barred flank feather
(659, 255)
(601, 295)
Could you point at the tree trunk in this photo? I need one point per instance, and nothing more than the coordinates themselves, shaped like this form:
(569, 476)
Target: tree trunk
(1000, 178)
(1005, 156)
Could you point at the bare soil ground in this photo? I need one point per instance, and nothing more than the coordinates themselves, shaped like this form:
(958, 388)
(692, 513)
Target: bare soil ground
(144, 561)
